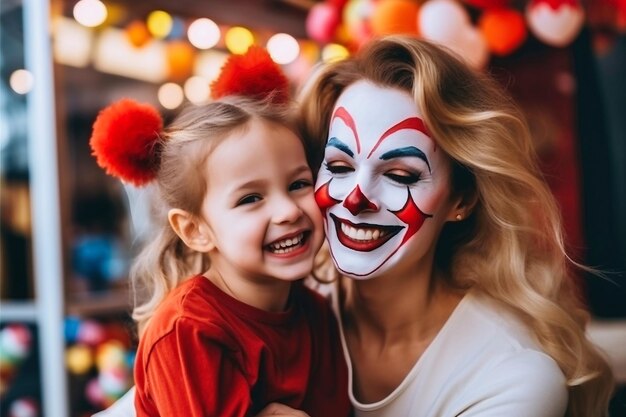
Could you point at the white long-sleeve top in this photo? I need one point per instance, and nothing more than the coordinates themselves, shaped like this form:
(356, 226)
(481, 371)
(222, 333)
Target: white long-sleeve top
(484, 362)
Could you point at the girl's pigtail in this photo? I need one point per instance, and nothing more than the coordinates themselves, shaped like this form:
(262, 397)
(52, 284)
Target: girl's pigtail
(125, 141)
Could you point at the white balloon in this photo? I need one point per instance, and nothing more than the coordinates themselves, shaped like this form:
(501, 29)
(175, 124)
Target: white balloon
(471, 47)
(555, 27)
(442, 20)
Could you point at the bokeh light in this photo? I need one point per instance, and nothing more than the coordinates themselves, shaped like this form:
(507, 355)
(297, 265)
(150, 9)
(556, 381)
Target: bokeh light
(334, 52)
(160, 24)
(21, 81)
(238, 39)
(203, 33)
(197, 89)
(170, 95)
(283, 48)
(90, 13)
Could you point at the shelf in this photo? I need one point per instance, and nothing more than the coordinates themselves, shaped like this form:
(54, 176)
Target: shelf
(20, 311)
(105, 303)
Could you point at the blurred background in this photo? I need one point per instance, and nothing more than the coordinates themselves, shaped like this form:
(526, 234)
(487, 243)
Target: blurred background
(66, 338)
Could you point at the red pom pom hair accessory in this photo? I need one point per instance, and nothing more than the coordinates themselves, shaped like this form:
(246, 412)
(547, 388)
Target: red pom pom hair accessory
(126, 133)
(124, 141)
(253, 74)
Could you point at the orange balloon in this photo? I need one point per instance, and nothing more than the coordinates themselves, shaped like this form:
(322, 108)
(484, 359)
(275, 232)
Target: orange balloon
(394, 16)
(180, 60)
(137, 33)
(503, 29)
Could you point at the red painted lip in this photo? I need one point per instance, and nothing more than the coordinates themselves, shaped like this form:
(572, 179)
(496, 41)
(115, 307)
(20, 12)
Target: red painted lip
(359, 245)
(304, 245)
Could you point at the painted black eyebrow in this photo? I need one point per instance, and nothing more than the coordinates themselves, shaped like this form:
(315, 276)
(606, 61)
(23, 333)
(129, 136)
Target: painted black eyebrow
(334, 142)
(406, 151)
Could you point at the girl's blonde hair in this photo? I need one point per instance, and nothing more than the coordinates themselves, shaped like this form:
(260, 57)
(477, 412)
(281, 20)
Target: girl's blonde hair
(184, 146)
(511, 247)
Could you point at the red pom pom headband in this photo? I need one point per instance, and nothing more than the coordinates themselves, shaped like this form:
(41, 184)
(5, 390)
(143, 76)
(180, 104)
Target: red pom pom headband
(125, 137)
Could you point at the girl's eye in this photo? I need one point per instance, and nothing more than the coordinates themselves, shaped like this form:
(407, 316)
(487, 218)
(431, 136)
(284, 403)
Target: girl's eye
(403, 177)
(249, 199)
(338, 167)
(299, 184)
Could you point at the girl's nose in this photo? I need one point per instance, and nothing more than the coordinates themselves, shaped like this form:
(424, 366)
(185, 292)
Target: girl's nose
(356, 202)
(286, 211)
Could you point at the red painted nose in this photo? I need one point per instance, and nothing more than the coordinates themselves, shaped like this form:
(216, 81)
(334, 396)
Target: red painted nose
(356, 202)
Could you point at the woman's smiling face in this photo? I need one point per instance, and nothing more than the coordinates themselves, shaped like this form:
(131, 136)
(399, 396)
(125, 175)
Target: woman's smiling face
(384, 186)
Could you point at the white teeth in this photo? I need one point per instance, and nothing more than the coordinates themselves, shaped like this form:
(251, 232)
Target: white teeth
(361, 234)
(286, 245)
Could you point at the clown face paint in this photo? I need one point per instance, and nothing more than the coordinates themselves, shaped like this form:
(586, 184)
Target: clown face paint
(384, 186)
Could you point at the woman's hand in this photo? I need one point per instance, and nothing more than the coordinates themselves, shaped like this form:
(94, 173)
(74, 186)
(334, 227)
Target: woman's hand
(277, 409)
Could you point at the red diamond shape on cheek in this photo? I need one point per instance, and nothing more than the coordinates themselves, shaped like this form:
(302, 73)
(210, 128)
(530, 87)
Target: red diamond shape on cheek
(323, 198)
(412, 216)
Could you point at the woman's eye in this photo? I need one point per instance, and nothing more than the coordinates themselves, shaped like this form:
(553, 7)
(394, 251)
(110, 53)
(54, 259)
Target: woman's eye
(249, 199)
(297, 185)
(403, 177)
(338, 167)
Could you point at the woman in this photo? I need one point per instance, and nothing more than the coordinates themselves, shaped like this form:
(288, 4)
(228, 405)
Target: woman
(453, 291)
(460, 301)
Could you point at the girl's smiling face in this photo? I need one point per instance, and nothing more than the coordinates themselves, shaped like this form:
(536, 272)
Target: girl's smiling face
(384, 186)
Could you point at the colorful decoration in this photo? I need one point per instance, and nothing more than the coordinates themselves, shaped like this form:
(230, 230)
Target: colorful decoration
(24, 407)
(180, 57)
(15, 346)
(356, 18)
(503, 29)
(124, 138)
(107, 365)
(394, 16)
(555, 22)
(448, 23)
(322, 22)
(443, 21)
(487, 4)
(79, 359)
(137, 33)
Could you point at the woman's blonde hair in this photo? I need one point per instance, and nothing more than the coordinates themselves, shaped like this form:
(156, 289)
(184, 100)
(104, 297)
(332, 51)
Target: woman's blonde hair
(184, 146)
(511, 247)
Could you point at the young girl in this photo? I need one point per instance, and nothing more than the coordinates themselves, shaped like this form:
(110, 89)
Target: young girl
(228, 327)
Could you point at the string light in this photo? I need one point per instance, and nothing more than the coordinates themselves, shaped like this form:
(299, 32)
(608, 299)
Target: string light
(21, 81)
(196, 89)
(238, 39)
(334, 52)
(160, 24)
(90, 13)
(203, 33)
(283, 48)
(170, 95)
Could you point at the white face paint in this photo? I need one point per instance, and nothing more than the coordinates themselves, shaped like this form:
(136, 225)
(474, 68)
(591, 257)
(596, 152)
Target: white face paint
(384, 185)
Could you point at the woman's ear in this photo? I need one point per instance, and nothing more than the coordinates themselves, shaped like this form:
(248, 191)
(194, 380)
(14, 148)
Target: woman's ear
(192, 230)
(463, 206)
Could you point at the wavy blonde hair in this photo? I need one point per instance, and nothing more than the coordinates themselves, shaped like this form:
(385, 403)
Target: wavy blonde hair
(184, 146)
(511, 247)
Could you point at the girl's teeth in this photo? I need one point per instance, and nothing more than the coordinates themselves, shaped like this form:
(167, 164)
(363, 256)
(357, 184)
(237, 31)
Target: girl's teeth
(287, 245)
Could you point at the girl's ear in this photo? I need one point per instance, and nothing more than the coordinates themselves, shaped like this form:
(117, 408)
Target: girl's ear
(463, 206)
(191, 230)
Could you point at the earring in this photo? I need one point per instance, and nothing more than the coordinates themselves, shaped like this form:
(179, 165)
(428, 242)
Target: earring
(459, 217)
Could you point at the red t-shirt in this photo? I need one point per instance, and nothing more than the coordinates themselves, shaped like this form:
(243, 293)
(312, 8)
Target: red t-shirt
(204, 353)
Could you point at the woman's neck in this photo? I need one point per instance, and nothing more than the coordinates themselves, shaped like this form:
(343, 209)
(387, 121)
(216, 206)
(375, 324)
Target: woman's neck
(413, 306)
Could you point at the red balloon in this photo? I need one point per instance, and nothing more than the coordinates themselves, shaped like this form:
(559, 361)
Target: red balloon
(503, 29)
(487, 4)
